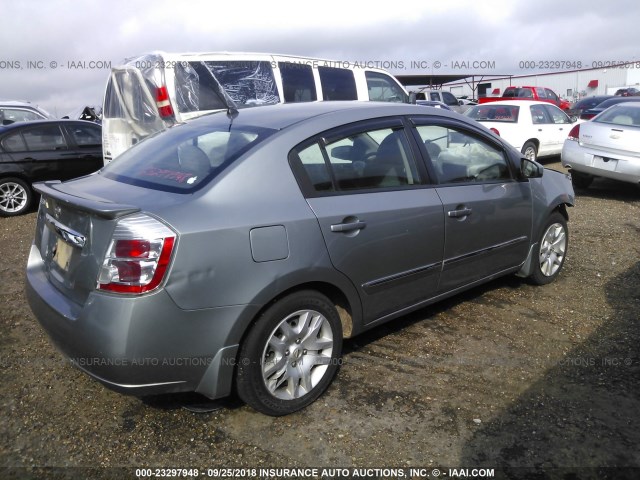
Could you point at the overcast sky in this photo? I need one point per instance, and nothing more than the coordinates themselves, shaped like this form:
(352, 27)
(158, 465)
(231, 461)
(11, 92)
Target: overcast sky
(54, 52)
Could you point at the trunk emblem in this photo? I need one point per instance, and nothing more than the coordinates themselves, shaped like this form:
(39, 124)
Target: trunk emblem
(70, 236)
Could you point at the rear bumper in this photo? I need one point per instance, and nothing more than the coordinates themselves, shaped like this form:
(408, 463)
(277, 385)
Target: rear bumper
(589, 161)
(140, 345)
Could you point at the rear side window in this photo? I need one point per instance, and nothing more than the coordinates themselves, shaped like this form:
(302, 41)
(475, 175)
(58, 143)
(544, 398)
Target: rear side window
(45, 137)
(539, 115)
(382, 88)
(183, 159)
(337, 84)
(248, 83)
(370, 159)
(297, 82)
(14, 143)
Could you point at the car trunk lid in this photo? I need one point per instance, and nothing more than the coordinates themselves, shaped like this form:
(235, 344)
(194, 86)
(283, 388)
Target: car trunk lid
(620, 139)
(72, 235)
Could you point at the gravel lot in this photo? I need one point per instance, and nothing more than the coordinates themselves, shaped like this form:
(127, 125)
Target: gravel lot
(508, 376)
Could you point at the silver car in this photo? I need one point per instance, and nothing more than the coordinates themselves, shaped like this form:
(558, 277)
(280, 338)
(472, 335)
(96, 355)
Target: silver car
(238, 251)
(607, 146)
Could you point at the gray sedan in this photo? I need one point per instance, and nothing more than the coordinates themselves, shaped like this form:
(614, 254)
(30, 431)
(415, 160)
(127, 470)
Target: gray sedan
(237, 251)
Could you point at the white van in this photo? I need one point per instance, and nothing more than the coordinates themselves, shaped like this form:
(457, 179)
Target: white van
(152, 92)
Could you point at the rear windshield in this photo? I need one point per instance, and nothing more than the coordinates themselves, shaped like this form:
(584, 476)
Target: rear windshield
(494, 113)
(518, 92)
(184, 159)
(623, 115)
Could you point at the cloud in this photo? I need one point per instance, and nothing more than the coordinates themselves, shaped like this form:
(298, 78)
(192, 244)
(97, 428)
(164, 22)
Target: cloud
(501, 31)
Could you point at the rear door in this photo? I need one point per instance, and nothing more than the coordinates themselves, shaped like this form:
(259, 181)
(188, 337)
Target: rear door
(383, 226)
(487, 213)
(40, 151)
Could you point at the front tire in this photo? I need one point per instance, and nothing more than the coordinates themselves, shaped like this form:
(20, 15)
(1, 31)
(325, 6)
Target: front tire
(15, 197)
(530, 151)
(551, 251)
(291, 354)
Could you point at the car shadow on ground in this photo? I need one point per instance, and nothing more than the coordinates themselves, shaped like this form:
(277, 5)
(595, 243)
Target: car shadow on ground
(198, 403)
(581, 419)
(610, 189)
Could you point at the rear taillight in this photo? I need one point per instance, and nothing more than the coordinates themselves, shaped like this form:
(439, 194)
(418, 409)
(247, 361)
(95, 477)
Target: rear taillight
(163, 103)
(495, 130)
(138, 256)
(574, 133)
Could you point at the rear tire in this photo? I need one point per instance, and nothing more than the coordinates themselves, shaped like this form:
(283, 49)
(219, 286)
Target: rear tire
(15, 197)
(552, 250)
(581, 180)
(291, 354)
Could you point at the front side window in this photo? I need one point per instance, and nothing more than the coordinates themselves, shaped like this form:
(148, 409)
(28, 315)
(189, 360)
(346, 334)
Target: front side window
(86, 135)
(382, 88)
(541, 92)
(44, 137)
(297, 82)
(337, 84)
(458, 157)
(370, 159)
(183, 159)
(551, 95)
(557, 115)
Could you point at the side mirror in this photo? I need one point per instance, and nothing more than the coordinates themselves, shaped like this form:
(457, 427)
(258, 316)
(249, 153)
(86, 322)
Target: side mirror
(461, 103)
(530, 169)
(573, 118)
(412, 98)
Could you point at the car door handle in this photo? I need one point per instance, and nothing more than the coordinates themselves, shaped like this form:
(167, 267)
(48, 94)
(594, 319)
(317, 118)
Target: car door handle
(463, 212)
(348, 227)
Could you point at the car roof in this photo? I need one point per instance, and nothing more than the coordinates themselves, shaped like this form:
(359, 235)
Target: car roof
(514, 102)
(281, 116)
(32, 123)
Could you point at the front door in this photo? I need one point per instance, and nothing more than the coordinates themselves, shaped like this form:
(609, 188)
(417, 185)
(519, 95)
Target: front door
(487, 212)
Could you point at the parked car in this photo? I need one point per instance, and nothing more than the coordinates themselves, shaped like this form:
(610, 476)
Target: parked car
(13, 111)
(152, 92)
(537, 129)
(467, 101)
(601, 107)
(44, 150)
(539, 94)
(628, 92)
(237, 251)
(607, 146)
(443, 97)
(586, 103)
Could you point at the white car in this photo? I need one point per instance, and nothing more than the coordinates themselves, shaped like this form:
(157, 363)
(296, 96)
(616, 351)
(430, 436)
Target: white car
(537, 129)
(607, 146)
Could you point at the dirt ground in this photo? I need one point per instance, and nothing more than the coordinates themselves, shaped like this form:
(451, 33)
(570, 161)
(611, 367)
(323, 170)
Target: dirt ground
(534, 382)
